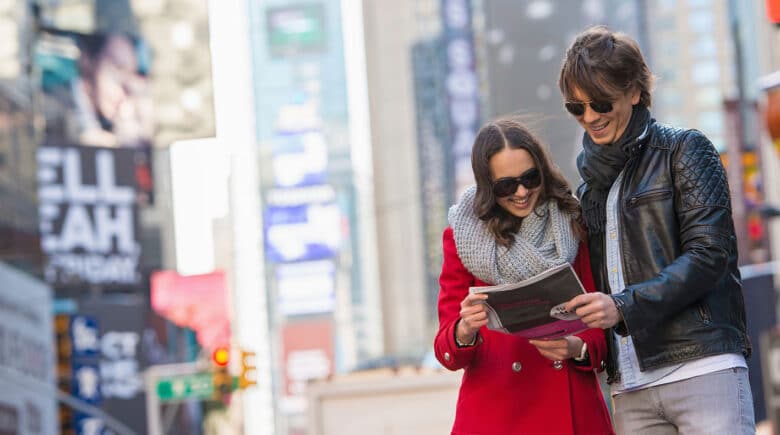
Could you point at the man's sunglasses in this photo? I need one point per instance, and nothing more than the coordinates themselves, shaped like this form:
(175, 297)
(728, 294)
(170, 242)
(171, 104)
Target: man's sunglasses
(578, 108)
(507, 186)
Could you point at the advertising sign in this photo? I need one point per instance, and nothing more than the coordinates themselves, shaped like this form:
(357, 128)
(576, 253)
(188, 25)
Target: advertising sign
(462, 87)
(198, 302)
(96, 93)
(306, 287)
(28, 403)
(302, 232)
(295, 29)
(308, 353)
(88, 217)
(300, 159)
(85, 363)
(122, 395)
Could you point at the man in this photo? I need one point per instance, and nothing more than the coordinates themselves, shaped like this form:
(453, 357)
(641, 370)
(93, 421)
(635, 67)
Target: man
(663, 250)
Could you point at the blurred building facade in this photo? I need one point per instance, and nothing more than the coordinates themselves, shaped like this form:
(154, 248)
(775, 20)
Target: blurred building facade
(389, 34)
(163, 36)
(317, 190)
(708, 61)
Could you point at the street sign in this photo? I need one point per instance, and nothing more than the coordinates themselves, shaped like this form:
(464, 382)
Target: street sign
(184, 387)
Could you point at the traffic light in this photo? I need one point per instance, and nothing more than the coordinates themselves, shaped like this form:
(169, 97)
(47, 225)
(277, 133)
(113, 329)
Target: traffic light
(221, 379)
(221, 356)
(248, 375)
(223, 383)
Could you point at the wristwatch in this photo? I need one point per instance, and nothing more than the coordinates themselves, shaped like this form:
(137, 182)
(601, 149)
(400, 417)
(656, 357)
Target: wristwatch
(583, 353)
(472, 343)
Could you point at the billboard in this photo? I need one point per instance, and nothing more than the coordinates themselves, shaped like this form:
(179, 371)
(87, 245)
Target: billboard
(198, 302)
(307, 354)
(308, 287)
(118, 357)
(95, 92)
(295, 29)
(300, 159)
(462, 88)
(84, 338)
(87, 212)
(302, 232)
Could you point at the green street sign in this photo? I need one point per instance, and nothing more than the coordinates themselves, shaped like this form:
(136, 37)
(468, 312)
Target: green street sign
(183, 387)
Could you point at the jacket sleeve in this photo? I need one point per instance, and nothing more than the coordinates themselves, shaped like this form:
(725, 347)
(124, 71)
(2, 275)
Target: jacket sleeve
(706, 232)
(454, 284)
(593, 337)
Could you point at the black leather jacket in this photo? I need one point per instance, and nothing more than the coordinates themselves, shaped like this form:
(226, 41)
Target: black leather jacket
(683, 299)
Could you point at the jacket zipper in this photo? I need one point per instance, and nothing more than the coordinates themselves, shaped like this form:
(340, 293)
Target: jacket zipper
(704, 312)
(660, 193)
(620, 246)
(612, 357)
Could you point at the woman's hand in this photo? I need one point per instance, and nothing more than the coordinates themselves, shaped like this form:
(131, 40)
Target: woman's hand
(473, 316)
(559, 349)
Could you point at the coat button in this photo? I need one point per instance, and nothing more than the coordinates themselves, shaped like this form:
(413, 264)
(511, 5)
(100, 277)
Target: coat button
(603, 365)
(516, 366)
(446, 356)
(557, 365)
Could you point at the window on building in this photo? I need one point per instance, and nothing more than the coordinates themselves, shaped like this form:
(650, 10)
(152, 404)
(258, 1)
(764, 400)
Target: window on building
(664, 22)
(673, 118)
(705, 73)
(704, 47)
(710, 123)
(670, 98)
(667, 5)
(670, 48)
(709, 96)
(668, 75)
(701, 21)
(699, 4)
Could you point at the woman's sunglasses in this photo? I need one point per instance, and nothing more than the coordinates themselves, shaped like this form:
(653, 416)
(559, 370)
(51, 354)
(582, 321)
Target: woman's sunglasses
(507, 186)
(578, 108)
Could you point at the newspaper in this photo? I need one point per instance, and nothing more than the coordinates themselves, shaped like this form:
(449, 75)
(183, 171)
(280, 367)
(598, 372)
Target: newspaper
(534, 308)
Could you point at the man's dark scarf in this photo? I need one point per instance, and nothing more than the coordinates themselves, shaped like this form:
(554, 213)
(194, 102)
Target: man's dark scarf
(600, 165)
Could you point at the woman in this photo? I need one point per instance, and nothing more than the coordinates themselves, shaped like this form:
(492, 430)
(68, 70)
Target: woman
(519, 220)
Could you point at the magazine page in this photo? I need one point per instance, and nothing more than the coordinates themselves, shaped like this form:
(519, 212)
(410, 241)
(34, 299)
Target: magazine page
(533, 308)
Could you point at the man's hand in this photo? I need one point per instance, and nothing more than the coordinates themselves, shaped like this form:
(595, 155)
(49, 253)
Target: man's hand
(559, 349)
(473, 316)
(597, 310)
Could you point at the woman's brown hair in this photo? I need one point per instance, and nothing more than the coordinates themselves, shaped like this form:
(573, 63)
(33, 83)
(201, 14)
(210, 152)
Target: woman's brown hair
(510, 132)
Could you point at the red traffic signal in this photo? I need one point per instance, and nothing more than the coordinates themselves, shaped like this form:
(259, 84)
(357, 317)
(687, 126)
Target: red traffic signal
(221, 356)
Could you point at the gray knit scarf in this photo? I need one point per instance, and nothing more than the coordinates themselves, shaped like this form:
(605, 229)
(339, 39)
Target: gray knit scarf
(545, 239)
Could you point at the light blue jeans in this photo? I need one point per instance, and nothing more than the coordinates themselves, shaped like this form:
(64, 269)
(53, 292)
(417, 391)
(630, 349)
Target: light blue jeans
(715, 403)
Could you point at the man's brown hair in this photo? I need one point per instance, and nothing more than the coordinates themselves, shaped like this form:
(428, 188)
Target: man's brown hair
(604, 65)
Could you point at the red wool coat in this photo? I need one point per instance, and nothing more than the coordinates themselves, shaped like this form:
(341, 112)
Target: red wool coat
(508, 387)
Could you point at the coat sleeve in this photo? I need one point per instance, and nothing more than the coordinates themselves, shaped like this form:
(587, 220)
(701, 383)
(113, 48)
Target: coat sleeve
(594, 337)
(703, 208)
(454, 284)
